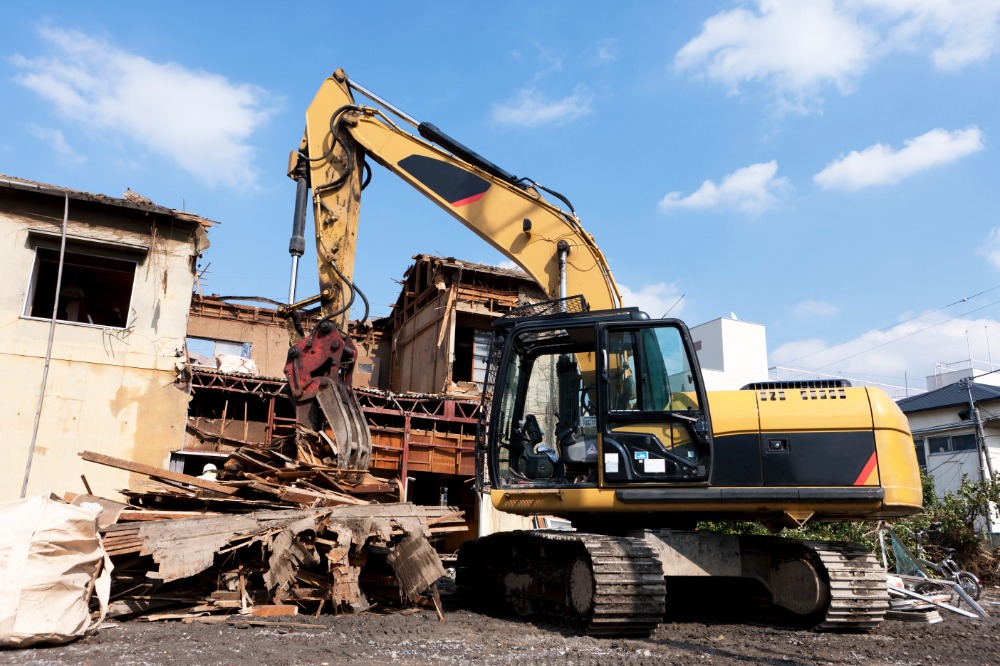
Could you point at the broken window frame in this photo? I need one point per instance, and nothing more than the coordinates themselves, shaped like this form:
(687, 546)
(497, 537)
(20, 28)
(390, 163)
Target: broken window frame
(245, 349)
(90, 251)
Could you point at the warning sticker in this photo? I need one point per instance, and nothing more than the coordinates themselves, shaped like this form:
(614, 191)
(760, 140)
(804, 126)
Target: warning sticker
(610, 463)
(655, 466)
(641, 455)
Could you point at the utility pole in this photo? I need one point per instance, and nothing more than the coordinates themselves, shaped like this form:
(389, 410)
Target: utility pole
(981, 447)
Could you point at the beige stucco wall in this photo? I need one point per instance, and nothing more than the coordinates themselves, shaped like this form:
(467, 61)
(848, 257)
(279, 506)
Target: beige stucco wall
(109, 390)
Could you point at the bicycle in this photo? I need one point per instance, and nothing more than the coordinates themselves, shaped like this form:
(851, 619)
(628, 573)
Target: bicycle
(948, 569)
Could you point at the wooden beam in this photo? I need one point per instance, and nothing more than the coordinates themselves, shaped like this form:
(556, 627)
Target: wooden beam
(157, 472)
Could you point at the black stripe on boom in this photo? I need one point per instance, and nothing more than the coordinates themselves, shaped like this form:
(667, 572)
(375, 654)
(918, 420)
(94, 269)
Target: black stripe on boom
(449, 182)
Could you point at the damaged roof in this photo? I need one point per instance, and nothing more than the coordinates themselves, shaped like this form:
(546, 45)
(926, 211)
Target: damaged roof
(451, 262)
(131, 200)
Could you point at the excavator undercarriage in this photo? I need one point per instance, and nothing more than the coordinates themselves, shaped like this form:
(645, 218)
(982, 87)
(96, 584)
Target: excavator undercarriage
(622, 586)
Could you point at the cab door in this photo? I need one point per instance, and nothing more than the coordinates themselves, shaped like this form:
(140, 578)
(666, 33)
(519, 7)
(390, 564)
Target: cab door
(654, 421)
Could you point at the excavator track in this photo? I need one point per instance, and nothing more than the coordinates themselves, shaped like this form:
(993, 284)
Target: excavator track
(859, 597)
(824, 585)
(601, 585)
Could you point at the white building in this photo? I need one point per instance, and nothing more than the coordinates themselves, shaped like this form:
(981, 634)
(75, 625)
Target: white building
(732, 353)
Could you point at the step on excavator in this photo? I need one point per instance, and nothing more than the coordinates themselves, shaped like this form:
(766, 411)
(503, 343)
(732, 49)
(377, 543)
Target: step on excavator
(598, 413)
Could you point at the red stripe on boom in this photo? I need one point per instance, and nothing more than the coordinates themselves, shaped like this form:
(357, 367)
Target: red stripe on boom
(467, 200)
(867, 471)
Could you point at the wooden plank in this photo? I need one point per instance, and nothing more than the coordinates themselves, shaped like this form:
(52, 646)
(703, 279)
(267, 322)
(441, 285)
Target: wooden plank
(131, 515)
(444, 530)
(308, 497)
(156, 472)
(274, 610)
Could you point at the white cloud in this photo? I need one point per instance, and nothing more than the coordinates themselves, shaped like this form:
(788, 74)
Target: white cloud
(956, 32)
(991, 248)
(752, 190)
(799, 48)
(531, 108)
(201, 121)
(908, 350)
(54, 140)
(882, 165)
(654, 299)
(792, 46)
(811, 308)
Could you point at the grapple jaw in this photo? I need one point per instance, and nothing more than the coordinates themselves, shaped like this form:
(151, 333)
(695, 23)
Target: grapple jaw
(320, 369)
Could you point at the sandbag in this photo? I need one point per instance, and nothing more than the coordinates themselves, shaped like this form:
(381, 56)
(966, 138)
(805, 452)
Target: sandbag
(51, 562)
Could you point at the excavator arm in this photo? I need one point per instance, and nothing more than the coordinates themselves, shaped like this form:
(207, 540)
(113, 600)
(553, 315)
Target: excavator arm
(507, 212)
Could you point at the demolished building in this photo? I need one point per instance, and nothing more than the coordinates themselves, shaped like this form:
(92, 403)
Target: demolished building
(416, 378)
(95, 314)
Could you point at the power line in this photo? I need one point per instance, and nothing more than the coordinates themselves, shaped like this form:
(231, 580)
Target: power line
(891, 326)
(926, 328)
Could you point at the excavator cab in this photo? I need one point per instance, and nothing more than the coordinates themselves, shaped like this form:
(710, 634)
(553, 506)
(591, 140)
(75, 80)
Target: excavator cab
(595, 399)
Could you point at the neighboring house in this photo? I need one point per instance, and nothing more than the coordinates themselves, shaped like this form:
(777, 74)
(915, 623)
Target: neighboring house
(944, 433)
(125, 282)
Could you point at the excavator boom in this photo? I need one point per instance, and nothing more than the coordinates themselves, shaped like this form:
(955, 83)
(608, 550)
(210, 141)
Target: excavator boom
(507, 212)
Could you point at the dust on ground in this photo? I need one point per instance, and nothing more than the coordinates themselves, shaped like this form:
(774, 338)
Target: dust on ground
(416, 638)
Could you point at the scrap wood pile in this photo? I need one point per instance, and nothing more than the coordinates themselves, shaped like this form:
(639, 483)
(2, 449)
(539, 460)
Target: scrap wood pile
(260, 543)
(256, 478)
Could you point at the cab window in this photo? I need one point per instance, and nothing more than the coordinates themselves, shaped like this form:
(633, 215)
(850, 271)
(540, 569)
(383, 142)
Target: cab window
(649, 371)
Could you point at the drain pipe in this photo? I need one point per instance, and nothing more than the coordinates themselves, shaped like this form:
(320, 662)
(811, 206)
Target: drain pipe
(48, 351)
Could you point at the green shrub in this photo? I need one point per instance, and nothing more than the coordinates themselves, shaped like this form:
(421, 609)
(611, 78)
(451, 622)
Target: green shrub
(952, 521)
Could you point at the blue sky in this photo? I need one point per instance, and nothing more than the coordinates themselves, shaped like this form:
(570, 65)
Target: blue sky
(828, 169)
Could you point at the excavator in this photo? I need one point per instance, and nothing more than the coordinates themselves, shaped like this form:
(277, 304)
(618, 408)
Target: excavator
(599, 414)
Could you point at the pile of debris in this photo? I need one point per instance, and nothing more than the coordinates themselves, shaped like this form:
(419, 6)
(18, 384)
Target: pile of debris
(270, 536)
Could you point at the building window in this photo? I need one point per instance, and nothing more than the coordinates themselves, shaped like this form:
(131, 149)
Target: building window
(203, 351)
(921, 457)
(480, 355)
(94, 290)
(472, 352)
(965, 442)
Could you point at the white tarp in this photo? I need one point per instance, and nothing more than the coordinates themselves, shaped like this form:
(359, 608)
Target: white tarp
(51, 561)
(236, 365)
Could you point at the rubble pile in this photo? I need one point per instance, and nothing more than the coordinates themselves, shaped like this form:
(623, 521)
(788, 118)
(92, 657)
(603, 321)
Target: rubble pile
(272, 535)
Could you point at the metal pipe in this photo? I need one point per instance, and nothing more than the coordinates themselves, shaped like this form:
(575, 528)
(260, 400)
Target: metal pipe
(293, 280)
(981, 448)
(297, 244)
(562, 247)
(375, 98)
(48, 351)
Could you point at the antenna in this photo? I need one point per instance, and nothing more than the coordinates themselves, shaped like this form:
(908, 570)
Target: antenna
(989, 354)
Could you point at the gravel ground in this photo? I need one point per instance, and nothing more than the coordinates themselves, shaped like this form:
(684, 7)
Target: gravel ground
(412, 638)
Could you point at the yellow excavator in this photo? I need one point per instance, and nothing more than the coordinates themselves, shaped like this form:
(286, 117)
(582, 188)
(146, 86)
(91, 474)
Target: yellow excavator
(599, 414)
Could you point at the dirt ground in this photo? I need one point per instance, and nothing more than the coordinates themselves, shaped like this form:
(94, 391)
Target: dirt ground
(414, 638)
